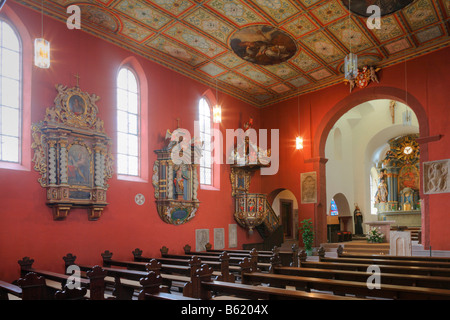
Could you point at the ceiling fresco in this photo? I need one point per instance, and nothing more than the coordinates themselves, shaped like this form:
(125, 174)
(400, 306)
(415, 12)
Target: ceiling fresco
(263, 51)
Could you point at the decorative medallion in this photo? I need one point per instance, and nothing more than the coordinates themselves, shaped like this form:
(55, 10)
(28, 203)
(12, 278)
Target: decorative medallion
(387, 7)
(139, 199)
(263, 45)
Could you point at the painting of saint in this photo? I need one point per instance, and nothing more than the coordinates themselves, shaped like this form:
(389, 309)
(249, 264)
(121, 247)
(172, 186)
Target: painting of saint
(409, 177)
(387, 7)
(79, 166)
(77, 105)
(263, 45)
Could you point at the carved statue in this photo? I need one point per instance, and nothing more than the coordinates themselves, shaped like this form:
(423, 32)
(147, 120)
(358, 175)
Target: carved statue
(382, 192)
(358, 219)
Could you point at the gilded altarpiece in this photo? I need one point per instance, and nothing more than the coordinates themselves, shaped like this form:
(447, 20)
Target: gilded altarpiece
(73, 154)
(175, 179)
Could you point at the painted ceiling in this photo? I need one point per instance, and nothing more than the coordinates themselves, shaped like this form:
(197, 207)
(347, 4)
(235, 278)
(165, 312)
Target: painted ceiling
(262, 51)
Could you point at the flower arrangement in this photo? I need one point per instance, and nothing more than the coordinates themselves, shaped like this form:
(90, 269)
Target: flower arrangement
(374, 235)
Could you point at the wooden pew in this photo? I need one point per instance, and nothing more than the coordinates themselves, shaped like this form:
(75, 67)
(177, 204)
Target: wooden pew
(152, 289)
(342, 287)
(260, 258)
(341, 254)
(33, 287)
(29, 287)
(386, 278)
(427, 271)
(71, 294)
(186, 270)
(202, 286)
(171, 274)
(208, 248)
(221, 264)
(124, 282)
(57, 281)
(425, 264)
(396, 292)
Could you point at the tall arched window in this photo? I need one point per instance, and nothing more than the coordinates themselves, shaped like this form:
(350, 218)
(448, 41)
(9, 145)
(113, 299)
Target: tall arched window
(333, 208)
(128, 120)
(206, 163)
(10, 94)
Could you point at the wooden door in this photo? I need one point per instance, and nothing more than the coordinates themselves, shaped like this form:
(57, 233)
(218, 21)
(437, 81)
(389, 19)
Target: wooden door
(286, 214)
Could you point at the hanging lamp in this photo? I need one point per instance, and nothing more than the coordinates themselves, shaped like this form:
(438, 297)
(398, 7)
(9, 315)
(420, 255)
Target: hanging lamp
(42, 46)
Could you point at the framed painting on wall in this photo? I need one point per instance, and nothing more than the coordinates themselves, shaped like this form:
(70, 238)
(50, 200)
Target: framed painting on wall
(308, 185)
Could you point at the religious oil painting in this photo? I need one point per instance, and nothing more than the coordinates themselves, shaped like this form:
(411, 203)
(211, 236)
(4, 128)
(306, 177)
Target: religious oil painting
(263, 45)
(79, 166)
(77, 105)
(409, 177)
(308, 182)
(387, 7)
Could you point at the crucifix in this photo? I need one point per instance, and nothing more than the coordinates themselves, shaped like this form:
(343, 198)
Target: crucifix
(392, 110)
(78, 79)
(178, 123)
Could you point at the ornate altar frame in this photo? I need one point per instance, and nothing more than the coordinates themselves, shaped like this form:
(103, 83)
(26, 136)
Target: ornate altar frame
(176, 184)
(72, 154)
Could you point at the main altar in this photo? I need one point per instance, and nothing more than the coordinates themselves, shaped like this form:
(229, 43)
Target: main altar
(397, 198)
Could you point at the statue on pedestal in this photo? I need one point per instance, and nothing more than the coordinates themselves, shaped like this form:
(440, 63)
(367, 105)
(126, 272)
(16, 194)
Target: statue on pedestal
(382, 192)
(358, 218)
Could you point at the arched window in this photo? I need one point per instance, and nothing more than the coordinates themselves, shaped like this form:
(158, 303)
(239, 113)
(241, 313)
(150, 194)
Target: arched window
(128, 120)
(333, 208)
(10, 94)
(206, 163)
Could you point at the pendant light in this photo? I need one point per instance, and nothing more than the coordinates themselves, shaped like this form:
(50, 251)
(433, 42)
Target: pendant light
(217, 110)
(298, 139)
(42, 46)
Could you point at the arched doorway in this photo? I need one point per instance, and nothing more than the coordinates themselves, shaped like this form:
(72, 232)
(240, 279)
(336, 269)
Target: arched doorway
(339, 217)
(285, 205)
(326, 125)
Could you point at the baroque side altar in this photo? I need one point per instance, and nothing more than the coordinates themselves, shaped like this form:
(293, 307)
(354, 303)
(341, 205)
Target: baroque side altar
(399, 181)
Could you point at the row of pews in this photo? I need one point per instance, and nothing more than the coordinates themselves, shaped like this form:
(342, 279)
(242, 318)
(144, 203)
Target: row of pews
(236, 275)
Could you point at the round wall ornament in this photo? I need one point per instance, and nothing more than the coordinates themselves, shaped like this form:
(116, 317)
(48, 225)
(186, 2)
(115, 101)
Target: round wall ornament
(139, 199)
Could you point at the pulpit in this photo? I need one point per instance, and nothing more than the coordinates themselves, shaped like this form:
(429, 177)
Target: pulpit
(384, 227)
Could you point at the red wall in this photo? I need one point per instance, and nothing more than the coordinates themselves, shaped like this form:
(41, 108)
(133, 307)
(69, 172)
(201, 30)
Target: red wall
(27, 225)
(426, 93)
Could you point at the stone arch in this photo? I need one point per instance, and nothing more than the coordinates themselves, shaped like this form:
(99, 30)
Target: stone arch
(327, 123)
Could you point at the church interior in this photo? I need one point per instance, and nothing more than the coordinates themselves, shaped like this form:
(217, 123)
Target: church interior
(241, 139)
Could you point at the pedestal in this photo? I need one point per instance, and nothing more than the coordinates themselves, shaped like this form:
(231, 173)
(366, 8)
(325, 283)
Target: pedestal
(344, 220)
(400, 243)
(385, 227)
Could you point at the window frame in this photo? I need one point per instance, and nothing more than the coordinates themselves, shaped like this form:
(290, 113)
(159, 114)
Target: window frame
(8, 16)
(216, 143)
(211, 149)
(128, 113)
